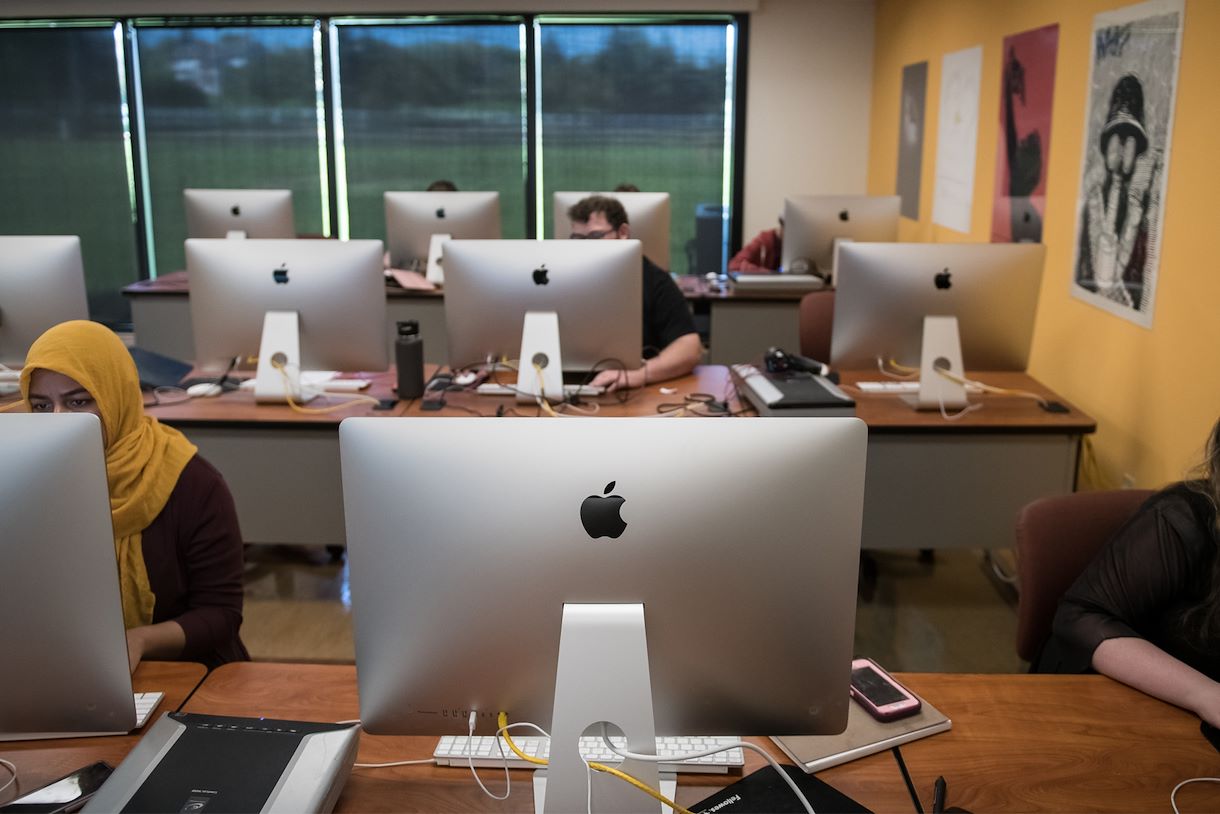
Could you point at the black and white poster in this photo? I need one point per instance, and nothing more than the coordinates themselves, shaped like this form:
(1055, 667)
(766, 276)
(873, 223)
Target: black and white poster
(910, 137)
(1128, 132)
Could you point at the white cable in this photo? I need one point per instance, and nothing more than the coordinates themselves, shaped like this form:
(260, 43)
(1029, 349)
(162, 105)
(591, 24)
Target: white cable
(902, 376)
(1174, 793)
(738, 745)
(508, 781)
(382, 765)
(12, 770)
(965, 411)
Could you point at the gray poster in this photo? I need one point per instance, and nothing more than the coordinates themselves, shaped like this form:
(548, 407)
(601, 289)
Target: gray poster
(1128, 131)
(910, 137)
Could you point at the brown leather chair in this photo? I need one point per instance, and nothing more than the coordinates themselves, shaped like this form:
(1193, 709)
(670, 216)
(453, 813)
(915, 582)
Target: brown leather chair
(817, 311)
(1056, 538)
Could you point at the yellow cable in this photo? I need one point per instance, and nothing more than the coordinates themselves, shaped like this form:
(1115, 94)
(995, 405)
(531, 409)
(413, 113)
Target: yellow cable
(904, 368)
(298, 408)
(542, 400)
(989, 388)
(502, 721)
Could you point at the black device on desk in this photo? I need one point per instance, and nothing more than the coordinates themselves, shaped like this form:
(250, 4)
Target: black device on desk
(792, 385)
(190, 762)
(67, 793)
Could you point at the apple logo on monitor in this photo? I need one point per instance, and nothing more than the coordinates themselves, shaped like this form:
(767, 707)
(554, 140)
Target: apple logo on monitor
(600, 515)
(942, 280)
(844, 216)
(280, 275)
(236, 210)
(540, 275)
(440, 212)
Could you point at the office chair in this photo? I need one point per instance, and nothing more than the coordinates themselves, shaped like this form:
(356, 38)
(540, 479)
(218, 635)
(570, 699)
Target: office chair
(1056, 538)
(816, 316)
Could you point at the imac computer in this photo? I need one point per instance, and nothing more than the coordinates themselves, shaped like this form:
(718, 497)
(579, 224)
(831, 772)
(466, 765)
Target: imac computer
(570, 305)
(647, 214)
(253, 213)
(951, 306)
(59, 584)
(412, 218)
(42, 283)
(293, 304)
(576, 571)
(812, 224)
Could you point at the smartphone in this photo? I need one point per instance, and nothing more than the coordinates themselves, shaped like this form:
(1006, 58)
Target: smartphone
(65, 794)
(877, 691)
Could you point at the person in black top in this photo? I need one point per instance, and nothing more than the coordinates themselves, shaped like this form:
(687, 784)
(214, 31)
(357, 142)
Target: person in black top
(1146, 611)
(671, 345)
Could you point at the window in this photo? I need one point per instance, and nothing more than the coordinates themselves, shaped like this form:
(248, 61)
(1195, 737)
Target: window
(422, 102)
(65, 168)
(229, 107)
(639, 103)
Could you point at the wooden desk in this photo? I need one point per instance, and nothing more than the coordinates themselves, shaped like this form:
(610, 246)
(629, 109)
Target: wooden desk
(932, 483)
(313, 692)
(161, 317)
(742, 326)
(1031, 743)
(283, 467)
(41, 761)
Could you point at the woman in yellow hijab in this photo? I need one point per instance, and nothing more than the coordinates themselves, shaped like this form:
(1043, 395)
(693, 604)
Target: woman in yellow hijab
(176, 536)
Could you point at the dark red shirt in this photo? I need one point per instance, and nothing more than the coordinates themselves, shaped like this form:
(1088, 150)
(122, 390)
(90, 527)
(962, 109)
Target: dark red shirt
(761, 255)
(194, 556)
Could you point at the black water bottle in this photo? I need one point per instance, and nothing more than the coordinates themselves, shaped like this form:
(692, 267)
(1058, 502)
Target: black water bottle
(409, 358)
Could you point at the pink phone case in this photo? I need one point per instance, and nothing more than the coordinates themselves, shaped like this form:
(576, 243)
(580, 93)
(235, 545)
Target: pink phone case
(908, 705)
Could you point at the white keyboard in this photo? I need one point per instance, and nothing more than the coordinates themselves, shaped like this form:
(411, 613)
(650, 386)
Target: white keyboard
(901, 387)
(10, 375)
(490, 389)
(459, 750)
(146, 702)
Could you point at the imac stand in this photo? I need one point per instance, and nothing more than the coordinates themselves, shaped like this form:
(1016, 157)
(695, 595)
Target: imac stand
(602, 676)
(540, 347)
(436, 259)
(280, 345)
(942, 350)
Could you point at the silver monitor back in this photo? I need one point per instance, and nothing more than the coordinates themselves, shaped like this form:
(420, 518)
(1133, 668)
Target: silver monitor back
(647, 214)
(411, 218)
(594, 285)
(465, 539)
(812, 222)
(260, 213)
(65, 650)
(42, 283)
(336, 287)
(884, 290)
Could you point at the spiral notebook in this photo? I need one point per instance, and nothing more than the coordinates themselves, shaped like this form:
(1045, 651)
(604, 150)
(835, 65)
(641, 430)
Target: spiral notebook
(864, 736)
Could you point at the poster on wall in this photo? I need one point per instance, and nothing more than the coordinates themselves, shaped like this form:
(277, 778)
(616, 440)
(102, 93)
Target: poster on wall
(910, 137)
(1128, 130)
(957, 138)
(1027, 89)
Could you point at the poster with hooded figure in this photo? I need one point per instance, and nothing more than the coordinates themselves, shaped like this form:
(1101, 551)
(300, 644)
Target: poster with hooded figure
(1128, 132)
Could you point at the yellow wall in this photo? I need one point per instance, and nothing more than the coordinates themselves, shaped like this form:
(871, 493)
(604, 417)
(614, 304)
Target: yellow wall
(1154, 393)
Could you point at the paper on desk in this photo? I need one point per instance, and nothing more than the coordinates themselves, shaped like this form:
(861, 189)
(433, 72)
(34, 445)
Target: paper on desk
(308, 378)
(411, 280)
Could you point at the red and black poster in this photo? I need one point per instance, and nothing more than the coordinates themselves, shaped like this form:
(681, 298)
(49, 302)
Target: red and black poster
(1027, 91)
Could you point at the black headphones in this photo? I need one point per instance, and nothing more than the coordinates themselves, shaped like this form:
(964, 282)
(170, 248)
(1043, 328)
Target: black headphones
(778, 360)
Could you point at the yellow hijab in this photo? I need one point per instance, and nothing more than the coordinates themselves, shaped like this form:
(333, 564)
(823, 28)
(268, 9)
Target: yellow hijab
(143, 457)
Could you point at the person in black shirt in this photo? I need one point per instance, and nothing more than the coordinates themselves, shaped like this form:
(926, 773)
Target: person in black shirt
(1146, 611)
(671, 345)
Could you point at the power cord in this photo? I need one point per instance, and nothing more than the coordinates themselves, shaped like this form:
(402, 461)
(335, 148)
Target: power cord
(1173, 794)
(738, 745)
(382, 765)
(13, 771)
(502, 720)
(297, 407)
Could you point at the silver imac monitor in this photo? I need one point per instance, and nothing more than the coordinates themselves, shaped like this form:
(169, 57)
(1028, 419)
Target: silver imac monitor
(594, 286)
(65, 650)
(412, 218)
(473, 541)
(813, 222)
(335, 288)
(884, 291)
(42, 283)
(254, 213)
(647, 214)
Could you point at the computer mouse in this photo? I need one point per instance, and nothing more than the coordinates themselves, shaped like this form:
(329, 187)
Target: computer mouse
(204, 390)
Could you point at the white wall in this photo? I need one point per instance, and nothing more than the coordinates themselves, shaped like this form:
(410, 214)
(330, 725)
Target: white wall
(808, 94)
